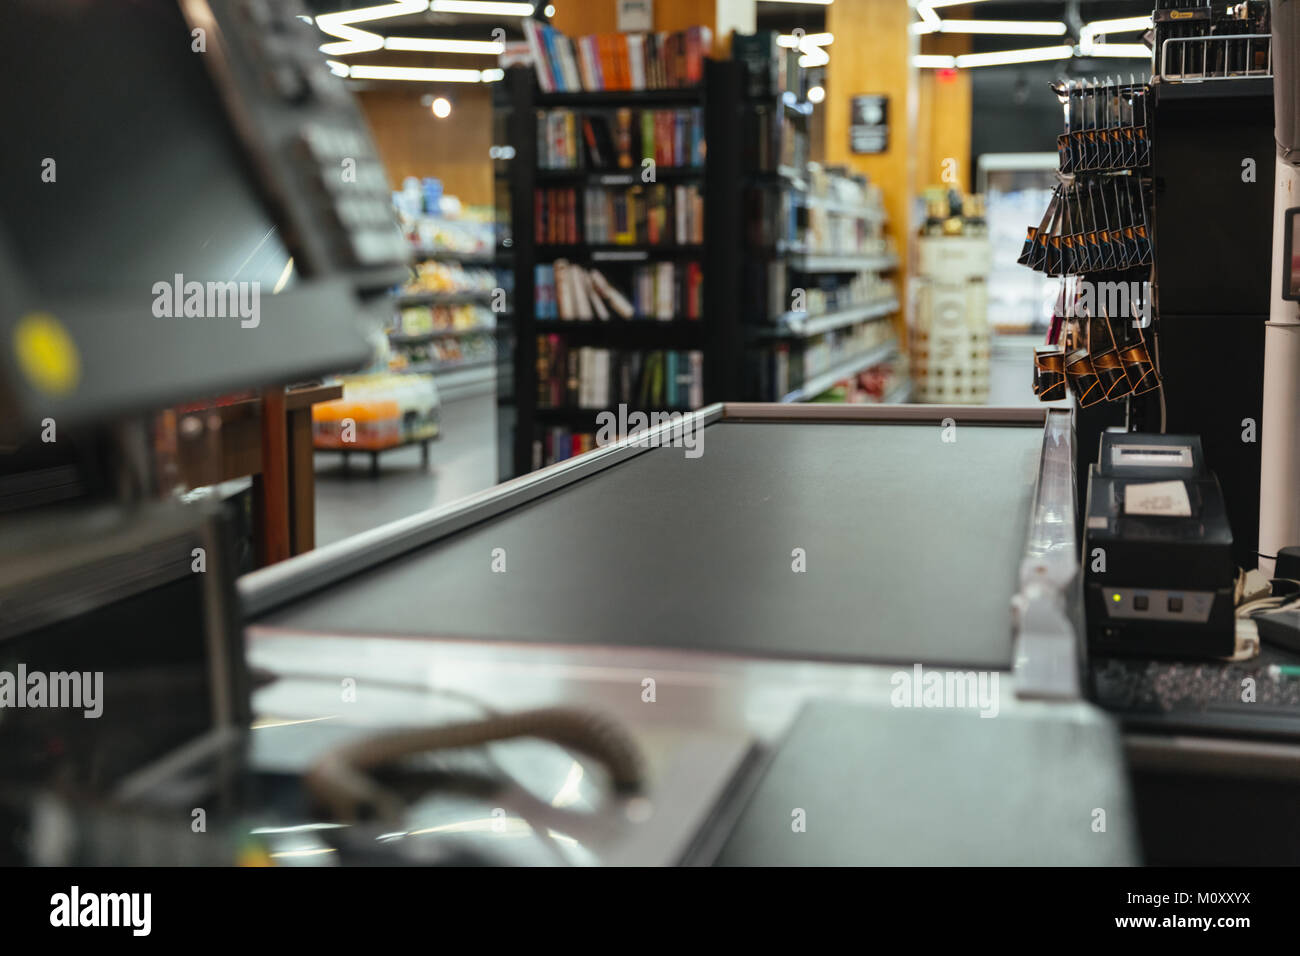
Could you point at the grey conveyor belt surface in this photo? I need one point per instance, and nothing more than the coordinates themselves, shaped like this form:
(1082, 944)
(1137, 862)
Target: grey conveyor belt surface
(912, 547)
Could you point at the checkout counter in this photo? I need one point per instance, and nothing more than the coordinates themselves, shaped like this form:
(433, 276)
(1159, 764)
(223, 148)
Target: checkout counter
(838, 635)
(756, 616)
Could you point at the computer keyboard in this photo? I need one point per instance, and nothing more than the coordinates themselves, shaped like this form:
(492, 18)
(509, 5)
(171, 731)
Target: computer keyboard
(1171, 687)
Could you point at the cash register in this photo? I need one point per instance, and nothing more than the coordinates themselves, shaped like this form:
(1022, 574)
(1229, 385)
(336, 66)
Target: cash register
(1158, 550)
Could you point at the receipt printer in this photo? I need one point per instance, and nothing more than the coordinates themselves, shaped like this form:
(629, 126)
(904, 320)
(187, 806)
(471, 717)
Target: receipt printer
(1157, 551)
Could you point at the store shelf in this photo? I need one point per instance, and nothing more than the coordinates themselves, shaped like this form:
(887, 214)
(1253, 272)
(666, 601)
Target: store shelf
(1193, 89)
(826, 380)
(802, 325)
(870, 213)
(401, 338)
(813, 262)
(487, 260)
(441, 298)
(618, 177)
(617, 253)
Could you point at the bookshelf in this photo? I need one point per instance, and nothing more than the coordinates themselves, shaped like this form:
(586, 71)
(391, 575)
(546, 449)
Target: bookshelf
(683, 318)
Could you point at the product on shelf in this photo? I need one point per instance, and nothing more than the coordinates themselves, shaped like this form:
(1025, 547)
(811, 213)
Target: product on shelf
(558, 443)
(617, 61)
(451, 278)
(655, 214)
(620, 139)
(660, 290)
(587, 377)
(949, 336)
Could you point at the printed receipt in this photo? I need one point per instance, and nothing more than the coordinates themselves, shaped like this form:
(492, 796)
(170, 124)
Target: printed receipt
(1164, 498)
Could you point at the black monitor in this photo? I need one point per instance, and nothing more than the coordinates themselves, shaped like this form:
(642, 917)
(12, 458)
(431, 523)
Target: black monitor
(189, 204)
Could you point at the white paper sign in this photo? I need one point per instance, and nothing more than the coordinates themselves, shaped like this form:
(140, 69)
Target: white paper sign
(1164, 498)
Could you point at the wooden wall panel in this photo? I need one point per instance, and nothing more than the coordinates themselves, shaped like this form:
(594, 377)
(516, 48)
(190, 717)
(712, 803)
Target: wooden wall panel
(413, 142)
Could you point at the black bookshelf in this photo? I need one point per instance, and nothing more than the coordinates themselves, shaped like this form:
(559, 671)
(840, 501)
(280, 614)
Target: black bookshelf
(716, 334)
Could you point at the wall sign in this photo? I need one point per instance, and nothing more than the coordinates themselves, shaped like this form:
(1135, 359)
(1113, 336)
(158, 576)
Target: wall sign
(635, 16)
(869, 124)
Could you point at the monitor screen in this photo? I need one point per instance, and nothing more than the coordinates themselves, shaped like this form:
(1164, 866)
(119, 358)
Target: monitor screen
(140, 179)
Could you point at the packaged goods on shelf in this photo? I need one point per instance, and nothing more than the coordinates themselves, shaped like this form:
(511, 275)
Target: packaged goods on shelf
(450, 278)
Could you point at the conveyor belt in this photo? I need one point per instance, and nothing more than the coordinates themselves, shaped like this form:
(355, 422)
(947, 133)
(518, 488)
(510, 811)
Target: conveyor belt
(912, 549)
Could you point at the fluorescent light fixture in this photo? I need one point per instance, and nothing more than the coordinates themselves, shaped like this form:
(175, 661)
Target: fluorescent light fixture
(435, 45)
(337, 68)
(427, 74)
(1121, 25)
(493, 75)
(927, 14)
(1088, 34)
(354, 39)
(810, 39)
(1003, 57)
(1041, 28)
(936, 4)
(1139, 51)
(818, 3)
(483, 7)
(934, 61)
(814, 56)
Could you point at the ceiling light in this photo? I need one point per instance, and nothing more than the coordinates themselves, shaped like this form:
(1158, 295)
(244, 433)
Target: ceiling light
(493, 75)
(816, 94)
(483, 7)
(936, 4)
(1043, 28)
(443, 45)
(809, 39)
(354, 39)
(934, 61)
(1138, 51)
(441, 107)
(814, 56)
(1090, 31)
(427, 74)
(1003, 57)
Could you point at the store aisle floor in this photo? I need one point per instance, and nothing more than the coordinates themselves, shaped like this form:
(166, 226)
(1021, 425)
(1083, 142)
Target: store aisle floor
(461, 462)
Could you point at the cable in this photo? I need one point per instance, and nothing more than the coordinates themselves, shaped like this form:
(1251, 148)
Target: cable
(340, 782)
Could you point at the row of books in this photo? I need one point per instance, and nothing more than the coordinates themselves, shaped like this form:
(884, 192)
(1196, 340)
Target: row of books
(660, 290)
(656, 215)
(623, 139)
(558, 443)
(565, 291)
(589, 377)
(617, 61)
